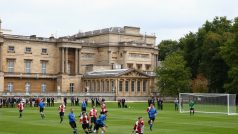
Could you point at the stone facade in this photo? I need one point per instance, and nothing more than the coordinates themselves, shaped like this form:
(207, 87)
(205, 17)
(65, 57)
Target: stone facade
(31, 64)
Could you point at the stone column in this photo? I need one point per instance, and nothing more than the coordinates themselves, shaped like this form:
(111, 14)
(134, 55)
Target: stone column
(109, 86)
(124, 87)
(79, 58)
(156, 60)
(124, 59)
(76, 61)
(1, 56)
(109, 56)
(66, 61)
(116, 86)
(62, 60)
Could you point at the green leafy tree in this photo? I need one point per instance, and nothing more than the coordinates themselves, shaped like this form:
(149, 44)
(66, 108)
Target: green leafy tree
(173, 76)
(230, 54)
(167, 47)
(191, 52)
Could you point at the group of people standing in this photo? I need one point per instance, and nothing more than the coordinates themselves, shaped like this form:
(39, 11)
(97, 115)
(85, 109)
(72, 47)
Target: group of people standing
(121, 103)
(159, 101)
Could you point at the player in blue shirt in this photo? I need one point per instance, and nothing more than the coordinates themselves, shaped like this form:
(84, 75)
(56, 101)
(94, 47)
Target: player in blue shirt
(83, 106)
(41, 105)
(152, 113)
(100, 123)
(72, 123)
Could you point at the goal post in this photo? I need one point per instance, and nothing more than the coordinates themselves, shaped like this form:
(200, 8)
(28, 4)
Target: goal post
(208, 103)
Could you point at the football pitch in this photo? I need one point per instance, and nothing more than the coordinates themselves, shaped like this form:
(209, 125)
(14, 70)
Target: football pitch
(119, 121)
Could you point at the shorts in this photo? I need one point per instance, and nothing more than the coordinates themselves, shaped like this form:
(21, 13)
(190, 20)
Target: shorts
(138, 132)
(93, 120)
(73, 124)
(41, 109)
(152, 118)
(191, 108)
(97, 126)
(84, 126)
(20, 111)
(61, 113)
(83, 108)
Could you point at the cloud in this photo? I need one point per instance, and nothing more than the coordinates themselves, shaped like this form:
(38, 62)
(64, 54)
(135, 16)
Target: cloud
(169, 19)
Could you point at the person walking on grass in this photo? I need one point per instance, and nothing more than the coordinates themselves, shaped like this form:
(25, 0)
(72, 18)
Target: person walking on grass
(61, 112)
(20, 107)
(72, 122)
(100, 123)
(93, 115)
(84, 120)
(176, 104)
(191, 107)
(139, 126)
(152, 114)
(41, 105)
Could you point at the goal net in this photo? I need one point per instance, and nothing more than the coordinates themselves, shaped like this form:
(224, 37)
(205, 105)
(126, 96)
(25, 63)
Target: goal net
(208, 103)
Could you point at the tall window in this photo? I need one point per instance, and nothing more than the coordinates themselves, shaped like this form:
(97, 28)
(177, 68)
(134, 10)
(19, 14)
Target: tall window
(28, 66)
(10, 65)
(112, 84)
(132, 86)
(108, 87)
(127, 86)
(95, 86)
(44, 51)
(144, 85)
(10, 87)
(43, 87)
(43, 67)
(11, 49)
(27, 87)
(120, 85)
(71, 87)
(27, 50)
(138, 85)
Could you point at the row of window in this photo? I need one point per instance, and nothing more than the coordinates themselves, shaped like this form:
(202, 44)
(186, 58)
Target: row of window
(139, 66)
(11, 49)
(28, 64)
(105, 85)
(133, 86)
(10, 87)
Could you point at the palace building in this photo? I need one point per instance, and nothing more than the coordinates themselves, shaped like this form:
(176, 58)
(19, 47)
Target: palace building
(119, 61)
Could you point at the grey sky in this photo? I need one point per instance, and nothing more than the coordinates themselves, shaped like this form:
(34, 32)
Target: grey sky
(168, 19)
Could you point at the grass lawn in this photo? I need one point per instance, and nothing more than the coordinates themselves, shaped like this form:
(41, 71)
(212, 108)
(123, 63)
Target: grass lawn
(119, 121)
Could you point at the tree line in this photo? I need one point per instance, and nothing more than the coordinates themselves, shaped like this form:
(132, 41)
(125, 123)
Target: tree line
(203, 61)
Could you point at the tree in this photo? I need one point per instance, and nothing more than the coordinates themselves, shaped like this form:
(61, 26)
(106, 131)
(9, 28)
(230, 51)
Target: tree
(167, 47)
(173, 76)
(200, 84)
(191, 52)
(230, 55)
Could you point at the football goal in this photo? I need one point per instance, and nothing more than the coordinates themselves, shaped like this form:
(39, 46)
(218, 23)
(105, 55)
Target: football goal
(208, 103)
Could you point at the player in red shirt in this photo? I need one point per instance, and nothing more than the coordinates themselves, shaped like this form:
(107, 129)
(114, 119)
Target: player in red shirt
(93, 115)
(20, 107)
(61, 112)
(103, 107)
(84, 120)
(139, 126)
